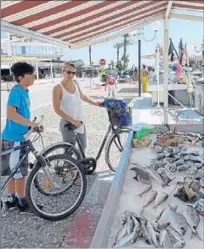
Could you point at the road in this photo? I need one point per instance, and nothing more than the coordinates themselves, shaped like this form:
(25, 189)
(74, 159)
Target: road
(41, 94)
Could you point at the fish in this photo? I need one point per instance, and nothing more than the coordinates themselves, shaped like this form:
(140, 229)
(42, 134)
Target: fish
(145, 190)
(160, 214)
(183, 167)
(123, 218)
(160, 198)
(152, 233)
(192, 218)
(179, 162)
(198, 165)
(141, 175)
(191, 171)
(179, 244)
(194, 153)
(120, 234)
(130, 225)
(156, 176)
(178, 221)
(136, 230)
(162, 236)
(195, 159)
(145, 233)
(124, 241)
(195, 186)
(151, 196)
(160, 156)
(167, 241)
(174, 233)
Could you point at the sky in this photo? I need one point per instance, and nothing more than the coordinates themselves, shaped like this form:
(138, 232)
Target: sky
(190, 31)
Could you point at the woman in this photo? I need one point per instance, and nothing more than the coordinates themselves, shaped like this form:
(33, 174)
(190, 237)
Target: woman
(111, 84)
(67, 103)
(144, 78)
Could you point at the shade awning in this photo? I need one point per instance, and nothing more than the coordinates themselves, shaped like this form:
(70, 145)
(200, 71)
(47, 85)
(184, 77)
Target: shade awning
(82, 23)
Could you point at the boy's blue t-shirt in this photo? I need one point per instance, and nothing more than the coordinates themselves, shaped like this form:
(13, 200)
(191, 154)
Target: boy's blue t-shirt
(19, 98)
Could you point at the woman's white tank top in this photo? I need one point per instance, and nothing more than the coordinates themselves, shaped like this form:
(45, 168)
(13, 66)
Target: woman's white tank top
(71, 105)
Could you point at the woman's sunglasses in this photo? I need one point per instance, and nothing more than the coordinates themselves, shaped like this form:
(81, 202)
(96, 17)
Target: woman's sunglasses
(70, 72)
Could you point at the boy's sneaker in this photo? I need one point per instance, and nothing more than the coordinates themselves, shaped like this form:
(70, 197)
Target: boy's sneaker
(11, 202)
(25, 207)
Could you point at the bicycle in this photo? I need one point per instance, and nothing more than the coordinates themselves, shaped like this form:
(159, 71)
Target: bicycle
(43, 165)
(89, 163)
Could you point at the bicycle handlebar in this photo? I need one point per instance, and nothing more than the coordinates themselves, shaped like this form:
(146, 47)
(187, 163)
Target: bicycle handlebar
(34, 128)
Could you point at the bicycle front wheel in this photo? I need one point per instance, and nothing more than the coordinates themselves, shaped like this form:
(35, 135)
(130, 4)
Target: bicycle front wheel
(115, 148)
(65, 188)
(61, 148)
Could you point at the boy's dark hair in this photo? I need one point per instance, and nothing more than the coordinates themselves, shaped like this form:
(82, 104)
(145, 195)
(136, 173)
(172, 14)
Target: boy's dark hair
(20, 69)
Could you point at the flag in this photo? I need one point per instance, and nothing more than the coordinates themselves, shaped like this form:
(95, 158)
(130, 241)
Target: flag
(172, 50)
(181, 50)
(185, 59)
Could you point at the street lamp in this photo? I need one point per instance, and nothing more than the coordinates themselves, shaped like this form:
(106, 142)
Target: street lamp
(136, 37)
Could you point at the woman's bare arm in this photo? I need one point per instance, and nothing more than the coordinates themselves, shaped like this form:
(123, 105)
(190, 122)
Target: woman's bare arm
(84, 97)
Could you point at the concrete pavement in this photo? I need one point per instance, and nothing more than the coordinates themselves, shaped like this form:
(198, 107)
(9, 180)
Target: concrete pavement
(41, 92)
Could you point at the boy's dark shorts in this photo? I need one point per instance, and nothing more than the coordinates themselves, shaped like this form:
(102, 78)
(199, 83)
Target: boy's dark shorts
(9, 161)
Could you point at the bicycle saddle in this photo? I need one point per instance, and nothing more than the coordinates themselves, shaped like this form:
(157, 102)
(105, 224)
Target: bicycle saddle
(70, 126)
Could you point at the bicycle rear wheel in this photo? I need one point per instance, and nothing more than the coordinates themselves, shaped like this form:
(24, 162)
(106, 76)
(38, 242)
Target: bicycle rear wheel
(65, 190)
(115, 148)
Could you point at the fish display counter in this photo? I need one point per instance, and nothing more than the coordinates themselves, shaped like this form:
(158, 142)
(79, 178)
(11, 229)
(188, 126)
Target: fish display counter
(157, 196)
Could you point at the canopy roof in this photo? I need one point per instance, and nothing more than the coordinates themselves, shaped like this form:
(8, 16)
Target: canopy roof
(82, 23)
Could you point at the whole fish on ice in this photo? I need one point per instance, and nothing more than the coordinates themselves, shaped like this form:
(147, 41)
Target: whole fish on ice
(146, 189)
(144, 231)
(152, 233)
(141, 175)
(150, 198)
(178, 221)
(192, 218)
(162, 236)
(160, 198)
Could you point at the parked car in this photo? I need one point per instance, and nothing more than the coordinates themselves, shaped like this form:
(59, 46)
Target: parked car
(126, 76)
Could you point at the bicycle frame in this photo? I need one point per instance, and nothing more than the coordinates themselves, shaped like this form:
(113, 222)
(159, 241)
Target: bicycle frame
(29, 149)
(39, 158)
(81, 150)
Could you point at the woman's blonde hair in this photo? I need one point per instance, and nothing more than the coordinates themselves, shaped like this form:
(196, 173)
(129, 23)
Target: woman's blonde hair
(70, 64)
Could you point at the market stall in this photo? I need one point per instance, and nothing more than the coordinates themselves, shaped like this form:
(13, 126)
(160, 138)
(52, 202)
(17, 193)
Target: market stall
(156, 199)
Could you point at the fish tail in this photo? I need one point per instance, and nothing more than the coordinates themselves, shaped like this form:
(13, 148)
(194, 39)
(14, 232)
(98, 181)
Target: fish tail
(198, 236)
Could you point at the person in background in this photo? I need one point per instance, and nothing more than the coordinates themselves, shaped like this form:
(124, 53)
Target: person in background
(144, 78)
(178, 70)
(135, 75)
(67, 104)
(17, 125)
(111, 85)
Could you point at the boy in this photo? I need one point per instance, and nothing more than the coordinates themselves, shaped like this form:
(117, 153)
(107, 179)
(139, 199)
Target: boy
(17, 124)
(111, 84)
